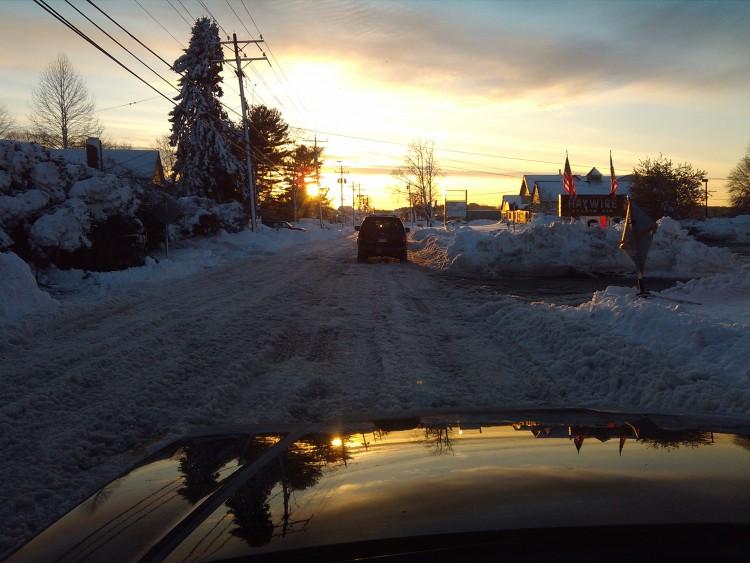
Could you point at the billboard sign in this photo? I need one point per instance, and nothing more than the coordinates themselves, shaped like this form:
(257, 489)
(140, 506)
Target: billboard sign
(592, 205)
(456, 210)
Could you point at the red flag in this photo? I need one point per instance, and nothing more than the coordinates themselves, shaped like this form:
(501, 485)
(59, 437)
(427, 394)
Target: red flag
(569, 182)
(612, 177)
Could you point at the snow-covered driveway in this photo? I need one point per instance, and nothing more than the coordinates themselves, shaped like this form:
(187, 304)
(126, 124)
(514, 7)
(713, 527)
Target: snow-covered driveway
(302, 334)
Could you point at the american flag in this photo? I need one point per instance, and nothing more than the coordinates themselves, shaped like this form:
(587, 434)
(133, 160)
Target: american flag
(569, 182)
(612, 177)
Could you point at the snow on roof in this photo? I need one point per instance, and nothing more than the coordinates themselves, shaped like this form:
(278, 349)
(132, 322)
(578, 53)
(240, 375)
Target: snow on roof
(516, 201)
(142, 163)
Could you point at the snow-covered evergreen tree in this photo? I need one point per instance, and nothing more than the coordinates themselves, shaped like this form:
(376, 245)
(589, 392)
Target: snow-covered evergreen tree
(204, 165)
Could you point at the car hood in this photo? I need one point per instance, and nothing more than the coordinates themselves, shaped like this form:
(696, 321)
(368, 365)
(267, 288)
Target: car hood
(244, 491)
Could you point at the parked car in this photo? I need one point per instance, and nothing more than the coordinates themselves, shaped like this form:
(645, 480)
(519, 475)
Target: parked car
(282, 225)
(381, 235)
(535, 485)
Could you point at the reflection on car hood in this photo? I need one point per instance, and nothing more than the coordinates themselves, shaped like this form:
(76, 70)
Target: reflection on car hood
(238, 492)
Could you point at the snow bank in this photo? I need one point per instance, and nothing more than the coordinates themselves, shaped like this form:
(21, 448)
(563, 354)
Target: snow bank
(65, 228)
(20, 294)
(702, 326)
(105, 196)
(720, 229)
(21, 207)
(186, 258)
(553, 248)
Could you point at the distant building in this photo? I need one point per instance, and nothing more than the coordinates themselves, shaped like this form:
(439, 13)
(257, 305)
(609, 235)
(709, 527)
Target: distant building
(516, 208)
(543, 190)
(144, 165)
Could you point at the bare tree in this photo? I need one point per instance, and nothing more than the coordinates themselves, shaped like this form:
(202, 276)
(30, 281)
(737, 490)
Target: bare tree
(63, 110)
(6, 122)
(166, 153)
(739, 183)
(419, 176)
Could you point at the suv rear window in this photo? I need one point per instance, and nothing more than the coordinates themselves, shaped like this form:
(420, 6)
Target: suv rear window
(385, 226)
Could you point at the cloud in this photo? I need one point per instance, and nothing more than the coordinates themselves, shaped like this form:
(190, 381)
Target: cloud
(546, 50)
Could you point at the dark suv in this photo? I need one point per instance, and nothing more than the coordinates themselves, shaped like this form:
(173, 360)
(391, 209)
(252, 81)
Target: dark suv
(381, 235)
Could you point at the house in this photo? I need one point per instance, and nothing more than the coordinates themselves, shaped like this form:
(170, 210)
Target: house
(142, 164)
(515, 208)
(543, 190)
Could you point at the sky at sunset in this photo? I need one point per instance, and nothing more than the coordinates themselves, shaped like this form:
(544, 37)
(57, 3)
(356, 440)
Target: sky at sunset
(502, 88)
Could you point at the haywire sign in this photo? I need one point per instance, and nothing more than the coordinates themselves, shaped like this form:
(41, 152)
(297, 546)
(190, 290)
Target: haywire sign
(592, 205)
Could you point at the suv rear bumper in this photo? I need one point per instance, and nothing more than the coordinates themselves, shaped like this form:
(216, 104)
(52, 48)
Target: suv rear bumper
(381, 249)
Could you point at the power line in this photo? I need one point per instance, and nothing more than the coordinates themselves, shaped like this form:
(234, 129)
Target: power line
(128, 104)
(179, 13)
(236, 15)
(73, 28)
(261, 156)
(213, 17)
(180, 43)
(186, 10)
(301, 105)
(69, 25)
(136, 57)
(141, 43)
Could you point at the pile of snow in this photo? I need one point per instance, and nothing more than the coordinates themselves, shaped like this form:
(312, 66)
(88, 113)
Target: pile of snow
(20, 294)
(50, 205)
(203, 216)
(65, 228)
(722, 229)
(546, 247)
(186, 258)
(703, 325)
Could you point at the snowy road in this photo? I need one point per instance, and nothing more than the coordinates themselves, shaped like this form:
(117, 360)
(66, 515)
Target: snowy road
(299, 335)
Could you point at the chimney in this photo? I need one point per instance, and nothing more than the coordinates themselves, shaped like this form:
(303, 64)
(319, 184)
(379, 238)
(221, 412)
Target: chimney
(94, 153)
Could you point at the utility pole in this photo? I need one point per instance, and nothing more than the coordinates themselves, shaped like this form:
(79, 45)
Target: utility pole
(354, 217)
(248, 154)
(705, 182)
(342, 181)
(317, 173)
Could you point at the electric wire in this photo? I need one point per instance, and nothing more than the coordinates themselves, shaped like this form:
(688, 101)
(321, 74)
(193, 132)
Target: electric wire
(186, 10)
(136, 57)
(69, 25)
(179, 14)
(141, 43)
(180, 43)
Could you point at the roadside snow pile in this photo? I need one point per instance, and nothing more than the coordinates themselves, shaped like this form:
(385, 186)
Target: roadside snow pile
(186, 257)
(67, 215)
(720, 229)
(20, 294)
(702, 326)
(555, 248)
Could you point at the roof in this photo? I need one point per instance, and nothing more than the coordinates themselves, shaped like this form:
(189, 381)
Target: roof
(515, 201)
(550, 186)
(144, 164)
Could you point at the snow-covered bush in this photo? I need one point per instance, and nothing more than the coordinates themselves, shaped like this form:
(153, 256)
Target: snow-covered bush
(202, 216)
(70, 215)
(65, 228)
